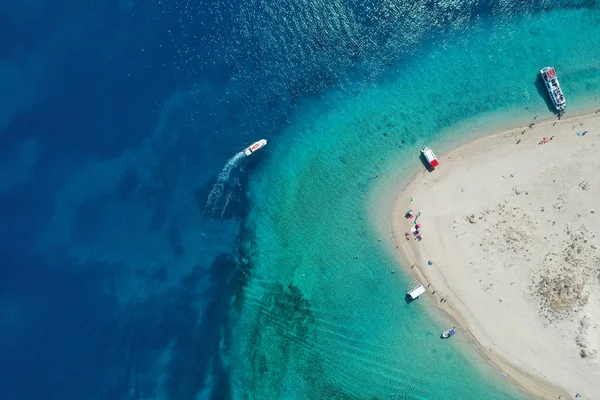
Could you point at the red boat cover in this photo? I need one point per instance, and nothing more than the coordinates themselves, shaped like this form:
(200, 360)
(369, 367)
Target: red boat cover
(551, 73)
(434, 163)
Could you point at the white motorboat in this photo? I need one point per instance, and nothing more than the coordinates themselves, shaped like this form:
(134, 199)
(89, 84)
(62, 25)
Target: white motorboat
(254, 147)
(449, 332)
(553, 86)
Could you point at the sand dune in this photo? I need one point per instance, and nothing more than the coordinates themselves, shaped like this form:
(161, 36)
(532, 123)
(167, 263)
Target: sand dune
(512, 228)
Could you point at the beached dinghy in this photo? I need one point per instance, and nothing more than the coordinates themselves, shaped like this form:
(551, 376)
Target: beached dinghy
(430, 157)
(449, 332)
(255, 147)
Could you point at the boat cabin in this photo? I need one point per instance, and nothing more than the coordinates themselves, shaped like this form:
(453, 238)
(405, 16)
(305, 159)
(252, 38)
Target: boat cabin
(254, 147)
(416, 292)
(549, 73)
(430, 157)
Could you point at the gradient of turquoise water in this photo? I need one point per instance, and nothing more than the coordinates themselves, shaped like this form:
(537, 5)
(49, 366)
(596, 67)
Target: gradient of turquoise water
(317, 323)
(115, 122)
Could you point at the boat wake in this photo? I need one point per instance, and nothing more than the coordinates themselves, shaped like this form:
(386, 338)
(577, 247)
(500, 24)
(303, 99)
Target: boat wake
(219, 188)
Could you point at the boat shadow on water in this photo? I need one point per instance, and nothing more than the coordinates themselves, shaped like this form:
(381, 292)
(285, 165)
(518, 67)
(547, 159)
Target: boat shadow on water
(543, 92)
(408, 299)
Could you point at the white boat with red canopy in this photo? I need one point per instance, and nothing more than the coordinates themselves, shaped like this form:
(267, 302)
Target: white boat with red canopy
(430, 157)
(553, 87)
(255, 147)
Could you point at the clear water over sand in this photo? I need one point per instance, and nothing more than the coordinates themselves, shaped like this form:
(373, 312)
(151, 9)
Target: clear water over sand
(344, 328)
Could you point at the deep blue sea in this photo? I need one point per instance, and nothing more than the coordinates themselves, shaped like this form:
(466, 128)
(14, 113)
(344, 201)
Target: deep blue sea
(141, 257)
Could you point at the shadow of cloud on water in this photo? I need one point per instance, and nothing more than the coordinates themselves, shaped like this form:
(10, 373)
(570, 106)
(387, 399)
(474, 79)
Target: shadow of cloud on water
(175, 240)
(59, 343)
(70, 337)
(189, 321)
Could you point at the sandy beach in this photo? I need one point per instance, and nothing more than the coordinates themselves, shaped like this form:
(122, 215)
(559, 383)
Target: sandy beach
(511, 226)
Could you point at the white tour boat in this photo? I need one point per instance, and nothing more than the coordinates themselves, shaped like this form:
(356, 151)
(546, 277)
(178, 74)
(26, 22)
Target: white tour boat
(430, 157)
(553, 87)
(415, 292)
(254, 147)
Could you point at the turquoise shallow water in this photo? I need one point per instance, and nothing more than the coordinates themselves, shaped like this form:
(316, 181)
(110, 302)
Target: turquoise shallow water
(315, 322)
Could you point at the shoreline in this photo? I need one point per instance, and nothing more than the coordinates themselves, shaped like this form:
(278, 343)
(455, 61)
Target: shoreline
(432, 279)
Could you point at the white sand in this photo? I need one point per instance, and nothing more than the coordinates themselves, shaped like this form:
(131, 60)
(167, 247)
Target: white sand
(513, 231)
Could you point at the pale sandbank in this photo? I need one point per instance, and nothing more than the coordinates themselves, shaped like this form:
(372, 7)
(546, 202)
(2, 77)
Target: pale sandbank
(512, 228)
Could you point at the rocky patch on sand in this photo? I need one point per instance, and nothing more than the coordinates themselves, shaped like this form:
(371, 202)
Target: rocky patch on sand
(509, 233)
(561, 283)
(585, 348)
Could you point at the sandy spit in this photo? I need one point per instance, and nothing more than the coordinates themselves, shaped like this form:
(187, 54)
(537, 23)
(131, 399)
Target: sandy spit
(511, 225)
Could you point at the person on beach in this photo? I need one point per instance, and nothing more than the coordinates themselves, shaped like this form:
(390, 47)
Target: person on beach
(417, 217)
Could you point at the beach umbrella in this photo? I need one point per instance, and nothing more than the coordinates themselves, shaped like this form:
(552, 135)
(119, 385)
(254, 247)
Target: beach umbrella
(418, 226)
